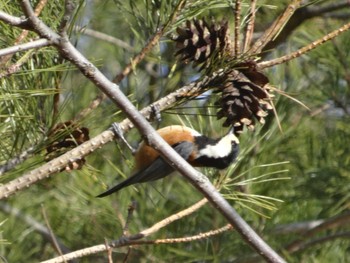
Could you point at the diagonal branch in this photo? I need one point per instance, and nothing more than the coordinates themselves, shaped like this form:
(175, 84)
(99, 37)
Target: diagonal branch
(275, 28)
(327, 224)
(250, 27)
(43, 42)
(34, 224)
(153, 41)
(303, 50)
(13, 20)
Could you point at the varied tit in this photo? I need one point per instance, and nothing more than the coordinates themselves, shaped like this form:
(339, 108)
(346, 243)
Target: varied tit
(197, 149)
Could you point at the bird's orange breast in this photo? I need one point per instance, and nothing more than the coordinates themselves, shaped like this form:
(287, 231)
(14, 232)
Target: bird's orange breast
(173, 134)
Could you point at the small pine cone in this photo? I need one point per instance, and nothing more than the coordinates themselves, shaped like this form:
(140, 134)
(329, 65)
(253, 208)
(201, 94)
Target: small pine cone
(65, 137)
(199, 41)
(242, 101)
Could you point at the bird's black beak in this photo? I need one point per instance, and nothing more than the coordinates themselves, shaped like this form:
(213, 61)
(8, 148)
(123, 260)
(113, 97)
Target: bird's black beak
(231, 130)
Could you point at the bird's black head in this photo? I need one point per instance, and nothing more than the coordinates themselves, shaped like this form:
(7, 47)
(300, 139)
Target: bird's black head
(218, 153)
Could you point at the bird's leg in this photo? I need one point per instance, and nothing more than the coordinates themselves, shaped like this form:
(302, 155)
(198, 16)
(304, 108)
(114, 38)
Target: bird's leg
(155, 114)
(119, 134)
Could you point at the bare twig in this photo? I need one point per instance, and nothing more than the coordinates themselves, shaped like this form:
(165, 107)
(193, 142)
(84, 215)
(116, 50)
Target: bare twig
(172, 218)
(52, 235)
(131, 210)
(237, 14)
(43, 42)
(103, 37)
(313, 242)
(313, 11)
(69, 8)
(299, 227)
(183, 239)
(10, 164)
(327, 224)
(250, 26)
(153, 41)
(109, 252)
(305, 49)
(30, 221)
(24, 33)
(79, 254)
(304, 13)
(275, 28)
(13, 20)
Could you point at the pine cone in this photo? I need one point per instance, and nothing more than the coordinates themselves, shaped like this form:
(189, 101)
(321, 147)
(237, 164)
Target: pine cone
(72, 136)
(242, 100)
(201, 43)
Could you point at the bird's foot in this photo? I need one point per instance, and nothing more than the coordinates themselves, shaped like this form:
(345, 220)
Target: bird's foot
(119, 134)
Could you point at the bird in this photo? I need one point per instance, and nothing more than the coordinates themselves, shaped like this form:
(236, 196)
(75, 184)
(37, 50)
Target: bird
(197, 149)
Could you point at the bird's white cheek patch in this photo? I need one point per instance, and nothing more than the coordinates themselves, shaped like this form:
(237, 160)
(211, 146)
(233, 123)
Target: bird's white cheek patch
(220, 150)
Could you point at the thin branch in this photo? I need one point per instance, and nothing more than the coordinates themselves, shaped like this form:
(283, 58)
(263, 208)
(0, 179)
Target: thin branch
(30, 221)
(69, 8)
(173, 218)
(27, 9)
(43, 42)
(303, 50)
(250, 26)
(13, 20)
(53, 238)
(275, 28)
(301, 15)
(103, 37)
(237, 14)
(183, 239)
(36, 25)
(327, 224)
(10, 164)
(131, 210)
(320, 10)
(12, 69)
(299, 227)
(78, 254)
(316, 241)
(22, 36)
(151, 43)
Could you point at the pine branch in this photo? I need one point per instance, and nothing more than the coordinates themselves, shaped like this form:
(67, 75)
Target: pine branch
(303, 50)
(250, 27)
(151, 43)
(237, 14)
(300, 16)
(43, 42)
(275, 28)
(103, 37)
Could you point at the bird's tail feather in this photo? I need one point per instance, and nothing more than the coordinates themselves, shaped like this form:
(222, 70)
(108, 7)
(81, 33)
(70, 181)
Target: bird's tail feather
(157, 170)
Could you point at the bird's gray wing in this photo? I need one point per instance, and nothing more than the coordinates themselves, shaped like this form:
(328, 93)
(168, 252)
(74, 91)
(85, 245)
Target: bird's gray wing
(156, 170)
